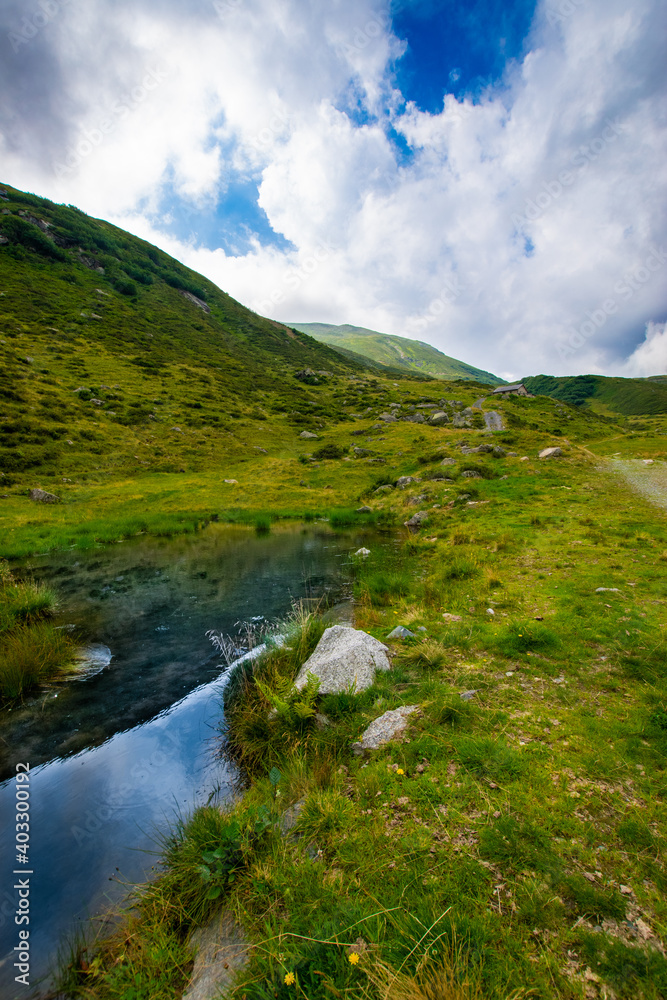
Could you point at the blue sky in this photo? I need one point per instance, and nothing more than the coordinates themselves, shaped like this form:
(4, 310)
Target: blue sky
(487, 177)
(457, 48)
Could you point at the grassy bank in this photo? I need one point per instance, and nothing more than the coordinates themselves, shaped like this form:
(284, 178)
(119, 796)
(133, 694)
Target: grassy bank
(512, 845)
(31, 648)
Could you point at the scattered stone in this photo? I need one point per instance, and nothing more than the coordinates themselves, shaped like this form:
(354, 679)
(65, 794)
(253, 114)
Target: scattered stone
(468, 695)
(607, 590)
(498, 451)
(404, 481)
(490, 611)
(384, 489)
(524, 458)
(422, 628)
(363, 553)
(97, 402)
(448, 461)
(231, 482)
(647, 461)
(41, 496)
(262, 450)
(469, 474)
(388, 418)
(308, 436)
(551, 453)
(451, 618)
(401, 633)
(416, 521)
(438, 419)
(360, 452)
(416, 418)
(344, 658)
(387, 727)
(221, 951)
(364, 510)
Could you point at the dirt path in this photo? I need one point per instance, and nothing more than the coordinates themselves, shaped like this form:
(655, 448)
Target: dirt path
(649, 480)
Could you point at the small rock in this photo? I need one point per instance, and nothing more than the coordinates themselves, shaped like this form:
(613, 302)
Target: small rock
(607, 590)
(439, 418)
(416, 521)
(448, 461)
(401, 633)
(388, 418)
(364, 510)
(490, 611)
(363, 553)
(647, 461)
(41, 496)
(451, 618)
(404, 481)
(551, 453)
(384, 489)
(524, 458)
(469, 474)
(231, 482)
(422, 628)
(468, 695)
(308, 436)
(387, 727)
(262, 450)
(626, 890)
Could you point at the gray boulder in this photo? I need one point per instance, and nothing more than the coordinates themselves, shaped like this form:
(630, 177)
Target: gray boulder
(448, 461)
(308, 436)
(41, 496)
(404, 481)
(551, 453)
(387, 727)
(416, 418)
(469, 474)
(344, 658)
(439, 418)
(384, 489)
(388, 418)
(416, 521)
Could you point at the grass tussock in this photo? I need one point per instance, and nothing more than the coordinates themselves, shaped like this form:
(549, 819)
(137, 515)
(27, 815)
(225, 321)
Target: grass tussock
(31, 649)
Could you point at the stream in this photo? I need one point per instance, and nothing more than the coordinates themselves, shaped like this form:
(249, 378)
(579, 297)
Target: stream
(116, 757)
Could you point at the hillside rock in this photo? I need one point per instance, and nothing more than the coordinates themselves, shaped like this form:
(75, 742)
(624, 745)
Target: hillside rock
(344, 657)
(439, 418)
(404, 481)
(41, 496)
(308, 436)
(385, 728)
(400, 632)
(196, 301)
(416, 521)
(551, 453)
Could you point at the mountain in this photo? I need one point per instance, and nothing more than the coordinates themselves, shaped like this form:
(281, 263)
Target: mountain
(115, 355)
(396, 352)
(628, 396)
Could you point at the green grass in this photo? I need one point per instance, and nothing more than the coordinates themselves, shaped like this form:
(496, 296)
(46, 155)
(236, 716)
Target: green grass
(31, 649)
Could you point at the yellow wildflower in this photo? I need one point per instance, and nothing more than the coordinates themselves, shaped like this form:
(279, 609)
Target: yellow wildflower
(354, 958)
(399, 770)
(289, 979)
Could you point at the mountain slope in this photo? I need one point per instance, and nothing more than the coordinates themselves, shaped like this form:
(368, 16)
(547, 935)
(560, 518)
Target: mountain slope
(397, 352)
(629, 396)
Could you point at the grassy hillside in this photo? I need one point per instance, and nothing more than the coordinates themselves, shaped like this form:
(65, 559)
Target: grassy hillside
(628, 396)
(397, 352)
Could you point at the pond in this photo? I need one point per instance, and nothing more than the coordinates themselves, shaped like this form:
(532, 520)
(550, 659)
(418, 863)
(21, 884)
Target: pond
(116, 757)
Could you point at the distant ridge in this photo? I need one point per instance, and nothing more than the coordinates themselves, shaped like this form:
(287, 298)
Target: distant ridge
(395, 352)
(601, 393)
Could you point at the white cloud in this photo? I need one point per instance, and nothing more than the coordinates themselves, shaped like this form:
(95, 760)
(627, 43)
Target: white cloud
(650, 357)
(511, 221)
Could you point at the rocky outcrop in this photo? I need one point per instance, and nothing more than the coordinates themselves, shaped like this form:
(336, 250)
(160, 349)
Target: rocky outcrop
(416, 521)
(308, 436)
(551, 453)
(344, 658)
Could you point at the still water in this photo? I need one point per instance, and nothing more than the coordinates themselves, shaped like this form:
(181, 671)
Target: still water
(114, 758)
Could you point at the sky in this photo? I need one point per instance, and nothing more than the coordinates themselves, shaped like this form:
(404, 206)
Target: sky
(487, 177)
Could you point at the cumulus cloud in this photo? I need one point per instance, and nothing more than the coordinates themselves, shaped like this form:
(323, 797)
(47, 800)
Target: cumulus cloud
(513, 232)
(650, 357)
